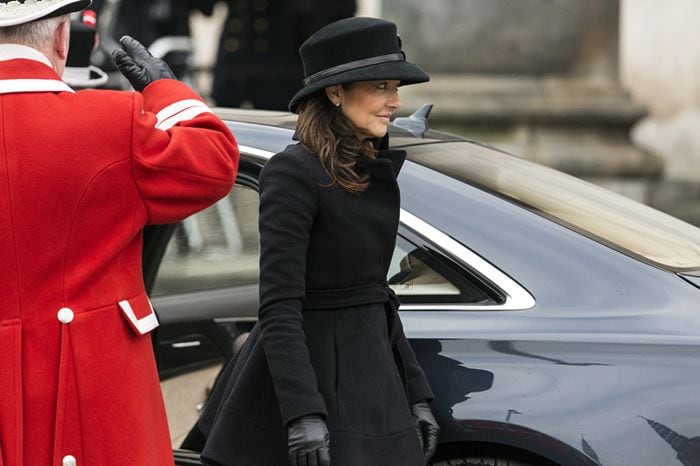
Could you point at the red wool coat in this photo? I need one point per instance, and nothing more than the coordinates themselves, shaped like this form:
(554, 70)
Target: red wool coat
(81, 173)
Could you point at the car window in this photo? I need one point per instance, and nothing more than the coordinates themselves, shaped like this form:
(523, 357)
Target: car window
(409, 274)
(418, 275)
(219, 248)
(215, 248)
(614, 220)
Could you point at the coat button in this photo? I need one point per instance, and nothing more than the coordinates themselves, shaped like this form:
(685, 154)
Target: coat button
(69, 460)
(65, 316)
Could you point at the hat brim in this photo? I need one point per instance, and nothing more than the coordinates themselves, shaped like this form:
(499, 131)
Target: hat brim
(85, 78)
(15, 13)
(403, 71)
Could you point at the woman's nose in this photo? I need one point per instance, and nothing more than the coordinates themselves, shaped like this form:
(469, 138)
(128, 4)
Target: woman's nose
(395, 100)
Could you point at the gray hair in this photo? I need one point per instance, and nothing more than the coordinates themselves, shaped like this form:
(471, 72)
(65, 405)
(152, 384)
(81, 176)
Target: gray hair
(36, 34)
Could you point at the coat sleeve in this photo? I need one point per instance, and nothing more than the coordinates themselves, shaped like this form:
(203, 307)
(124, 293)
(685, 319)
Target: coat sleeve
(184, 158)
(288, 206)
(416, 384)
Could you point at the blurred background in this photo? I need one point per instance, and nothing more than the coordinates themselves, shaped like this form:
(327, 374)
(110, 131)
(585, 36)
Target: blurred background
(607, 90)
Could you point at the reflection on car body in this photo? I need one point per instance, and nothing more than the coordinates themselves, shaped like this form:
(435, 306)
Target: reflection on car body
(557, 322)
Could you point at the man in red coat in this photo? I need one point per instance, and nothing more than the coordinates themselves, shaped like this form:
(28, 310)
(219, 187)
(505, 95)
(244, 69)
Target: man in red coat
(81, 173)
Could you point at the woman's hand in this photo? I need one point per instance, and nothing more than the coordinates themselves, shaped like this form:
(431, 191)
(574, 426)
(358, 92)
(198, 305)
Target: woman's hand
(426, 427)
(308, 442)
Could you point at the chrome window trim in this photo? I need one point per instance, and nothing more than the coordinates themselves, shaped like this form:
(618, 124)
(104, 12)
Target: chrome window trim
(260, 153)
(517, 297)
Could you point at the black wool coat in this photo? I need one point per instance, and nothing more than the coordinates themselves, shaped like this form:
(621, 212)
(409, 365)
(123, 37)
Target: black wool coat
(329, 340)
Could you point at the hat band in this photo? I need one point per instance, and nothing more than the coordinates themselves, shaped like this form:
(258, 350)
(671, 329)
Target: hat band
(354, 65)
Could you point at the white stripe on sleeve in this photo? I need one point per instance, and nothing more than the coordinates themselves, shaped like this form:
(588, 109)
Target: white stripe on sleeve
(183, 116)
(180, 111)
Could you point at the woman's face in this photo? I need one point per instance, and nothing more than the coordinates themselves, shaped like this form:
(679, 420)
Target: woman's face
(368, 105)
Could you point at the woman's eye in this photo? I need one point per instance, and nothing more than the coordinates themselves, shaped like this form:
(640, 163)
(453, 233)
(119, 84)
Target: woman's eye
(382, 86)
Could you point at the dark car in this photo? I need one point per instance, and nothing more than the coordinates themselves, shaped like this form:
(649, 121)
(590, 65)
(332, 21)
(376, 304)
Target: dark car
(558, 323)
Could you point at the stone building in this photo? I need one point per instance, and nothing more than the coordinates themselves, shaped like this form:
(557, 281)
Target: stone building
(660, 66)
(605, 89)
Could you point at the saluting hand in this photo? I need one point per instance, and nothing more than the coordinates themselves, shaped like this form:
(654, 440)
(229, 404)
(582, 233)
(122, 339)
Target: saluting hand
(138, 65)
(308, 442)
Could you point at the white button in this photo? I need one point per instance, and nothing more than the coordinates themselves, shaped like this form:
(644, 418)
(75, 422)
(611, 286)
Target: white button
(65, 316)
(69, 460)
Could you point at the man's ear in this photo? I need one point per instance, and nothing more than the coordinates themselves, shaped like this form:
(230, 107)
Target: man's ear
(62, 40)
(335, 94)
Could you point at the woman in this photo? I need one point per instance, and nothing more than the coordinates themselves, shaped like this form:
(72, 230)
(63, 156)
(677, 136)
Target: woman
(327, 376)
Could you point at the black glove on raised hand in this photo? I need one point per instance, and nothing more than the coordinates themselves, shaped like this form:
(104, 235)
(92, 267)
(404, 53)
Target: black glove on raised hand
(426, 427)
(138, 65)
(308, 442)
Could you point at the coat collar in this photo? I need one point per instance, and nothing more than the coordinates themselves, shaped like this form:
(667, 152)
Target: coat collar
(24, 69)
(396, 156)
(16, 51)
(387, 164)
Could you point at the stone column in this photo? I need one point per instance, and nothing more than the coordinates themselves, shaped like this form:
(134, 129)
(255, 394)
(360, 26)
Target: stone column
(371, 8)
(531, 37)
(536, 77)
(660, 66)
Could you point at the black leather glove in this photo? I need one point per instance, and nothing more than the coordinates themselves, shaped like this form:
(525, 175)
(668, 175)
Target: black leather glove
(426, 427)
(308, 442)
(138, 65)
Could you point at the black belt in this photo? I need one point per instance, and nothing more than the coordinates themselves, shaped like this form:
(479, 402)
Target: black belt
(347, 297)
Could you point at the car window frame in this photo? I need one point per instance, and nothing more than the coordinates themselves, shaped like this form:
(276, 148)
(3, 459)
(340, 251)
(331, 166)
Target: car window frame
(469, 289)
(514, 296)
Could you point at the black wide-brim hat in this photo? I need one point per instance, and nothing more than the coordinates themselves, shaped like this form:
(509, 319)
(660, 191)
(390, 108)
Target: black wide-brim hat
(350, 50)
(14, 13)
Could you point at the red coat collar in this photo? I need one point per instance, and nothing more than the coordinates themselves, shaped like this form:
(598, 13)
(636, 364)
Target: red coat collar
(24, 69)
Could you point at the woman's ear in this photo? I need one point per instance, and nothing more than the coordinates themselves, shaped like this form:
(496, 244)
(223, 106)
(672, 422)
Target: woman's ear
(335, 94)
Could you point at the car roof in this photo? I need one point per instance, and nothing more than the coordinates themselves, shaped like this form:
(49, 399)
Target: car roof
(565, 201)
(281, 126)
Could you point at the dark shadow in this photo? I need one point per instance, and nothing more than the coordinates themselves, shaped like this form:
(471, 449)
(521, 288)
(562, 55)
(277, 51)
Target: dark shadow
(451, 383)
(687, 449)
(588, 450)
(508, 347)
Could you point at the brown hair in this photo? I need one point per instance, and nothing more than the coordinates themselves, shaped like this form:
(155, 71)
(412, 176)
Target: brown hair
(330, 135)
